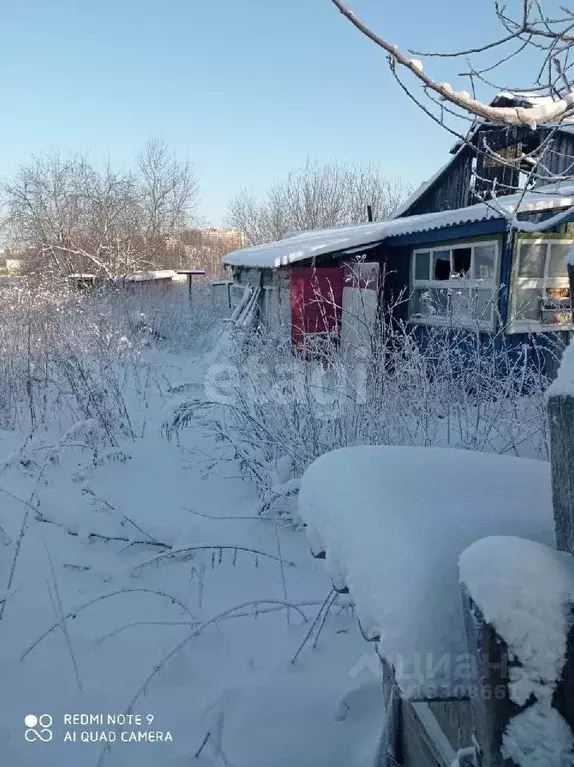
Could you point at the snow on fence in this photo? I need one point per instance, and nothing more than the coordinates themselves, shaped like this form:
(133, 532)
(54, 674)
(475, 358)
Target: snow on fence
(518, 601)
(488, 683)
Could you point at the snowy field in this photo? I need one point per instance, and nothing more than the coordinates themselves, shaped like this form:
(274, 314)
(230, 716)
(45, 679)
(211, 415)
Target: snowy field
(152, 561)
(139, 580)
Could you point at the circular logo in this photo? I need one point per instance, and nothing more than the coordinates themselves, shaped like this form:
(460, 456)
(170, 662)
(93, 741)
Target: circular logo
(38, 728)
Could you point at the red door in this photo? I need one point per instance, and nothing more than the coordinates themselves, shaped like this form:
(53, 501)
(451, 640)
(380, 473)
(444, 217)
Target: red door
(316, 301)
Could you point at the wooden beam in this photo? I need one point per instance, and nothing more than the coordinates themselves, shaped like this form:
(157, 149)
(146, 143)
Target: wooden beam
(561, 423)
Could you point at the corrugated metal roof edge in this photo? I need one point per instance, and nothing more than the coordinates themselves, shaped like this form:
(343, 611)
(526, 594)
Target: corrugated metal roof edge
(377, 232)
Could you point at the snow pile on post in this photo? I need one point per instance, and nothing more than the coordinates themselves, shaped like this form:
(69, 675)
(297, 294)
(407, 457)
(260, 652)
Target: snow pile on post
(164, 274)
(393, 522)
(525, 591)
(563, 385)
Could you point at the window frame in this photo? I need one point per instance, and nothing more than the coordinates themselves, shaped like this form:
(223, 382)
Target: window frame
(536, 283)
(468, 283)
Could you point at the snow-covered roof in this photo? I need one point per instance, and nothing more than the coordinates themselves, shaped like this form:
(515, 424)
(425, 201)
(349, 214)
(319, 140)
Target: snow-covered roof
(162, 274)
(393, 522)
(566, 124)
(314, 243)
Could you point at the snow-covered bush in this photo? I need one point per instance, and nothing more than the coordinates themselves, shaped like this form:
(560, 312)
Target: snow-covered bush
(170, 317)
(441, 386)
(69, 355)
(62, 360)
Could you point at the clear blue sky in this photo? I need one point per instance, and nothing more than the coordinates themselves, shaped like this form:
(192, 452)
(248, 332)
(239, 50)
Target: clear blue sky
(247, 88)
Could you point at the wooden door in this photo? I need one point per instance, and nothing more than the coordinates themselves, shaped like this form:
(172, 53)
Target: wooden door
(316, 301)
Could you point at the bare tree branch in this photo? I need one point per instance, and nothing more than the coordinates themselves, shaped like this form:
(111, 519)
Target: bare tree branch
(316, 197)
(547, 112)
(71, 217)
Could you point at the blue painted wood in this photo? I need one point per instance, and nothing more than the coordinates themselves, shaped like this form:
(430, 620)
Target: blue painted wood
(476, 229)
(543, 350)
(505, 276)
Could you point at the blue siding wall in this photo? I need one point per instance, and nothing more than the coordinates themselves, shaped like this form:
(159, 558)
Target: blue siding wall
(544, 348)
(505, 275)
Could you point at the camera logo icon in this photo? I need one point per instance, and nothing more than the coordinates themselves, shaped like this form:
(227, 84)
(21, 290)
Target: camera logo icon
(38, 728)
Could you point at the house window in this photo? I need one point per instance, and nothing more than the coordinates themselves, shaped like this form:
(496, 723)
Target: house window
(455, 284)
(540, 289)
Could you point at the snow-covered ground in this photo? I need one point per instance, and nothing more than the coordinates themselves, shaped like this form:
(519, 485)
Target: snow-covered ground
(106, 627)
(159, 576)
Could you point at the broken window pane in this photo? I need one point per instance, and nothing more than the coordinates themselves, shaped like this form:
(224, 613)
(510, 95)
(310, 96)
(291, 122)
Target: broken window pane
(484, 259)
(441, 264)
(461, 260)
(422, 266)
(532, 258)
(556, 262)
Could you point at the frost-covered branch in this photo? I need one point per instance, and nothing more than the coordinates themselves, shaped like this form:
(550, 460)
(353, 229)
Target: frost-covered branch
(547, 111)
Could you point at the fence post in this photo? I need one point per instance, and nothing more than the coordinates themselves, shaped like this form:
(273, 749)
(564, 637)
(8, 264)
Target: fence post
(570, 270)
(491, 703)
(561, 424)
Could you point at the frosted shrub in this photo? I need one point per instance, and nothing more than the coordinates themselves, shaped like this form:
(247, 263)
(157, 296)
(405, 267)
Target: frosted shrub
(406, 385)
(170, 317)
(62, 360)
(69, 355)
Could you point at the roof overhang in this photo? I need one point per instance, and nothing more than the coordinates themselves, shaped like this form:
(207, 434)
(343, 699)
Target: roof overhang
(356, 239)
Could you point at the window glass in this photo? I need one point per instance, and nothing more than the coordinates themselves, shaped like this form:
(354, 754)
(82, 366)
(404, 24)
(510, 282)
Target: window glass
(531, 260)
(484, 258)
(422, 265)
(461, 303)
(421, 302)
(556, 261)
(556, 306)
(528, 303)
(439, 299)
(441, 264)
(458, 300)
(484, 305)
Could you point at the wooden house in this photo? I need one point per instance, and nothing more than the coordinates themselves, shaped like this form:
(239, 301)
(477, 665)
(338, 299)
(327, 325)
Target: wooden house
(456, 259)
